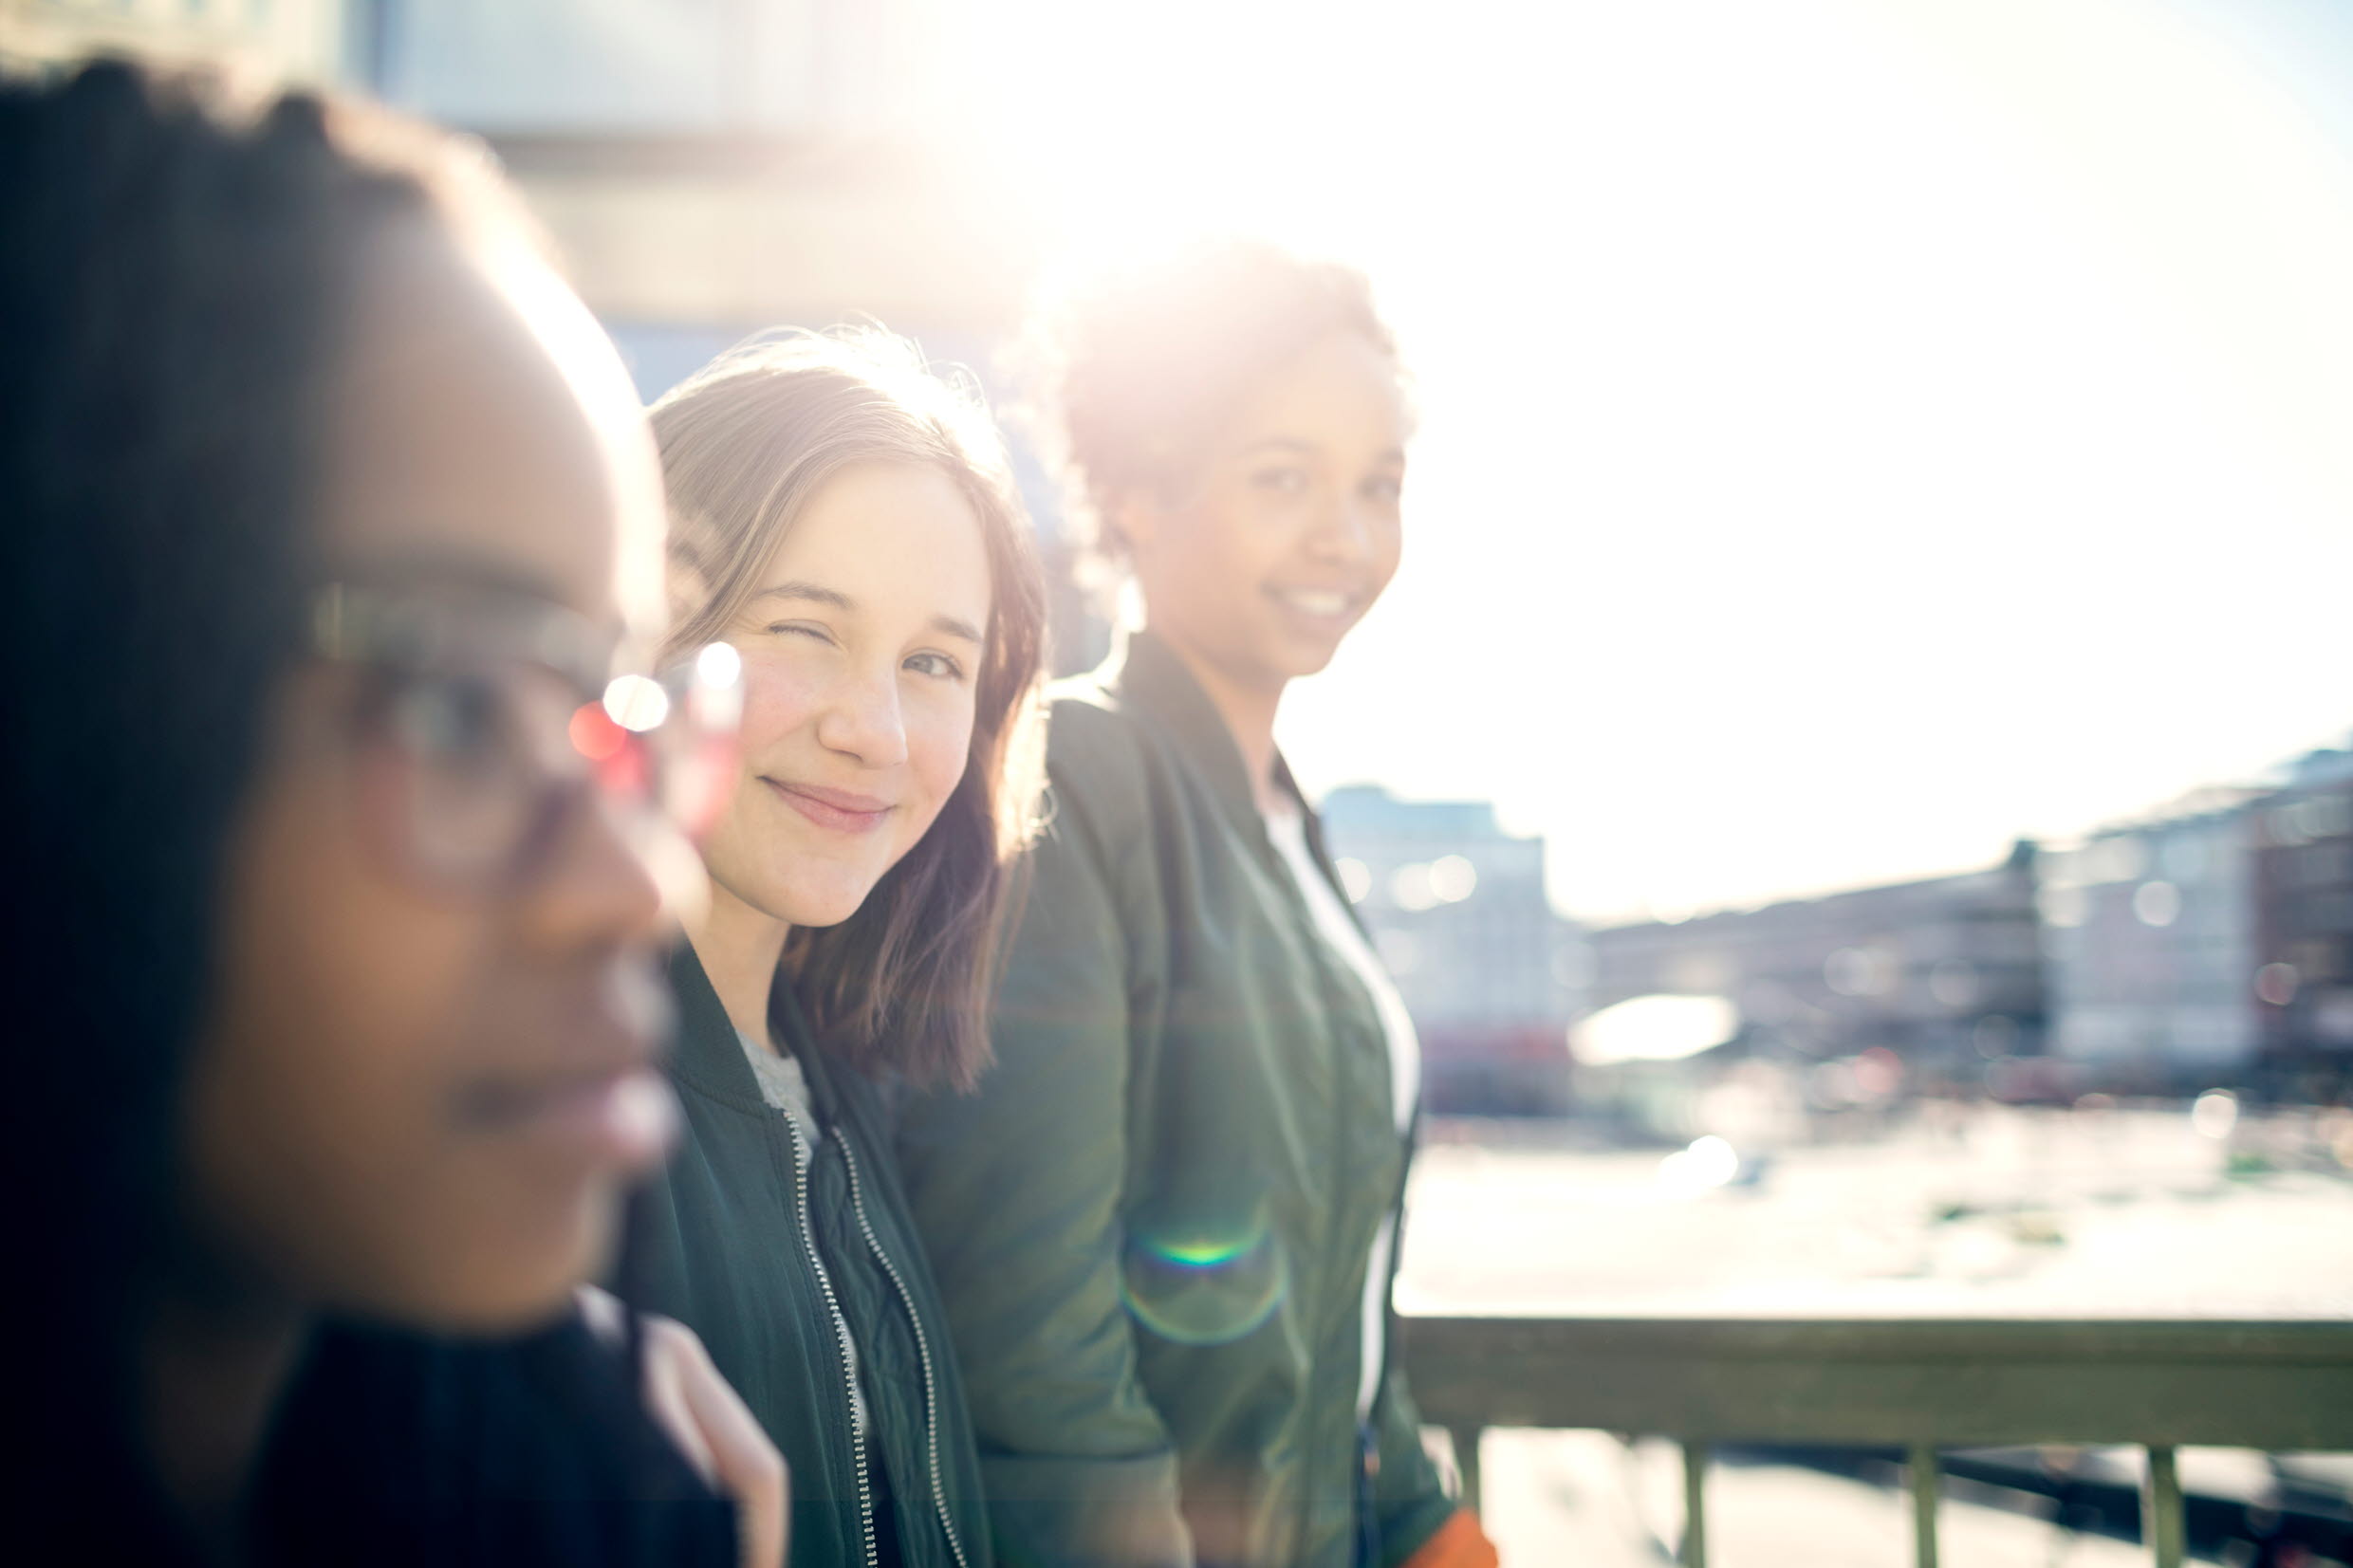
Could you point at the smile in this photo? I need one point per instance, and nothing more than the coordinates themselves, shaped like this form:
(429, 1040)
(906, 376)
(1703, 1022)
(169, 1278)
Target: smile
(1315, 604)
(835, 810)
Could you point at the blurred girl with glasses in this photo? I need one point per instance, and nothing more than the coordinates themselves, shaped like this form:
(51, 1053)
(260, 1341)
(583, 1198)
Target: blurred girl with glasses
(334, 807)
(1166, 1223)
(848, 524)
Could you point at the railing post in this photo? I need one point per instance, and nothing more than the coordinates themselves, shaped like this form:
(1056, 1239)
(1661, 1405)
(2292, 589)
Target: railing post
(1923, 1466)
(2162, 1523)
(1693, 1552)
(1466, 1440)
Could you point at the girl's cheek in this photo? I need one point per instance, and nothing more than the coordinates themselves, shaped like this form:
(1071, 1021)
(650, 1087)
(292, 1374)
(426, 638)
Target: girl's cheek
(941, 750)
(778, 699)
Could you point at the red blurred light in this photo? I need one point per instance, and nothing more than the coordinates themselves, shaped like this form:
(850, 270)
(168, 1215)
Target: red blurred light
(594, 734)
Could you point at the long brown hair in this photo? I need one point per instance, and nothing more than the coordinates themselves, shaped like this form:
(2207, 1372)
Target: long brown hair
(746, 443)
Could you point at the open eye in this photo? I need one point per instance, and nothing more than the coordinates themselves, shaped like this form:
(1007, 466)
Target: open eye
(1387, 487)
(940, 666)
(460, 722)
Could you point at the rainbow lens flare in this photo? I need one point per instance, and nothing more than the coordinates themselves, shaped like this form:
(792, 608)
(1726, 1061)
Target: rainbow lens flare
(1206, 1285)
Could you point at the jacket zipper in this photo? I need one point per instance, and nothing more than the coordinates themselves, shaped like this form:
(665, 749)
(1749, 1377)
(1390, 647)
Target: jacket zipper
(842, 1338)
(922, 1350)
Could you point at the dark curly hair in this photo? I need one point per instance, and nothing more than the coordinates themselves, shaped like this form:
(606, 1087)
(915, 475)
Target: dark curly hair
(176, 279)
(1128, 370)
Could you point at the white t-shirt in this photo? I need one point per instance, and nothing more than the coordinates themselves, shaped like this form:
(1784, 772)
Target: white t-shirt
(1288, 830)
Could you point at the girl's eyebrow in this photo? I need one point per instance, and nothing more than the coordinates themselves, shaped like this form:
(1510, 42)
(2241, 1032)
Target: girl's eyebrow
(1309, 448)
(811, 592)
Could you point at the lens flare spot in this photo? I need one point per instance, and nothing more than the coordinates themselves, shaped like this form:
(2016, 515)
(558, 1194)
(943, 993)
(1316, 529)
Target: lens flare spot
(1708, 1164)
(2156, 903)
(715, 696)
(637, 703)
(1453, 879)
(1205, 1287)
(2214, 1113)
(594, 734)
(2276, 984)
(1201, 1254)
(718, 664)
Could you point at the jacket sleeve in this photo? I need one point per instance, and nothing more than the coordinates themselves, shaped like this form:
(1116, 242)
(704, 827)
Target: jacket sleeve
(1017, 1190)
(1408, 1494)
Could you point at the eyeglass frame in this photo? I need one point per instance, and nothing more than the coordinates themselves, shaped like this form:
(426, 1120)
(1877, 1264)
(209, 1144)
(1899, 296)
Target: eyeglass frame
(411, 632)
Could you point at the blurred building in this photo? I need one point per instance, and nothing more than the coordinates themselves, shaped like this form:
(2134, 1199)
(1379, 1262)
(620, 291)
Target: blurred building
(713, 170)
(2212, 942)
(290, 40)
(2149, 931)
(2303, 888)
(1457, 908)
(1946, 973)
(710, 169)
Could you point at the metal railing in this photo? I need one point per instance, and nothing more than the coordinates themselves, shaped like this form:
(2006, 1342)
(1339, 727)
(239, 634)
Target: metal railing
(1921, 1385)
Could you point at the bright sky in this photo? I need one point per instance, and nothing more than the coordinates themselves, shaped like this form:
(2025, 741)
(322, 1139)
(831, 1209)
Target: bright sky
(1856, 431)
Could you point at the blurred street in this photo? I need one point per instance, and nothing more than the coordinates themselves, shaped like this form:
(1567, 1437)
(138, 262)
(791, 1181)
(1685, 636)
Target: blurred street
(1978, 1211)
(1959, 1211)
(1583, 1500)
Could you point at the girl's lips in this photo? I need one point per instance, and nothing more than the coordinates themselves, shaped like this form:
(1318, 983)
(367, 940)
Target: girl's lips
(1320, 609)
(618, 1119)
(837, 810)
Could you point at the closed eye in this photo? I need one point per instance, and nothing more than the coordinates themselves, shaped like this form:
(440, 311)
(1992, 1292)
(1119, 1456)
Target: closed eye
(1280, 479)
(1386, 487)
(800, 627)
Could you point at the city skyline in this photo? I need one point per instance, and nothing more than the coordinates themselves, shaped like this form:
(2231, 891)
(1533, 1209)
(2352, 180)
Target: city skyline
(2251, 786)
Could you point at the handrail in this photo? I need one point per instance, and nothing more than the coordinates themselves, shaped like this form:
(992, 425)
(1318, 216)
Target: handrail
(1921, 1384)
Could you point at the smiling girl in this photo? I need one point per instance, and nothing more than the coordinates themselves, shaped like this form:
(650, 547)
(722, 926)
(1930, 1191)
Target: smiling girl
(1165, 1224)
(848, 522)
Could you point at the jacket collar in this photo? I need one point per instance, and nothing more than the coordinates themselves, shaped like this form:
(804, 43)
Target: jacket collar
(1146, 674)
(709, 1056)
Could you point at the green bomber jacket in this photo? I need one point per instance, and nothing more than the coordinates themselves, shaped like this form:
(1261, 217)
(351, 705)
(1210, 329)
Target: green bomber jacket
(729, 1241)
(1152, 1222)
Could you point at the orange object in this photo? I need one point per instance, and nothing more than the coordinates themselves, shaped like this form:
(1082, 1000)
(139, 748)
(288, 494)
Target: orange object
(1457, 1544)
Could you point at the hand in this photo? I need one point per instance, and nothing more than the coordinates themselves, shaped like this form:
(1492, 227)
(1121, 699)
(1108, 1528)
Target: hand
(708, 1421)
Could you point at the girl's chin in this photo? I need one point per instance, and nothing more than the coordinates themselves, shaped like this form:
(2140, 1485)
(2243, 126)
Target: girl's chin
(818, 907)
(822, 895)
(1299, 659)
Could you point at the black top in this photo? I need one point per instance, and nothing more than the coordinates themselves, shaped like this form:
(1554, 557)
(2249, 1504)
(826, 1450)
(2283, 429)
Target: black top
(395, 1449)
